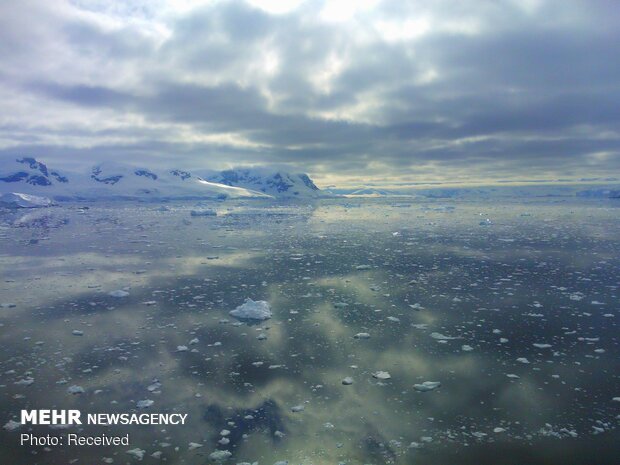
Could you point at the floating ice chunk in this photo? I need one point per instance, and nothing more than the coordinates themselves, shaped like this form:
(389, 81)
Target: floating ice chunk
(394, 319)
(347, 381)
(252, 310)
(541, 345)
(155, 386)
(362, 267)
(616, 399)
(219, 455)
(549, 430)
(146, 403)
(77, 332)
(203, 213)
(466, 348)
(194, 445)
(25, 381)
(442, 337)
(297, 408)
(382, 375)
(523, 360)
(12, 425)
(426, 386)
(7, 305)
(119, 293)
(512, 376)
(137, 453)
(19, 200)
(416, 307)
(75, 389)
(182, 348)
(499, 430)
(224, 432)
(362, 336)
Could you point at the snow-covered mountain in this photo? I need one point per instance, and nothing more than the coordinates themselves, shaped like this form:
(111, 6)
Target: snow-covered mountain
(276, 184)
(110, 180)
(601, 193)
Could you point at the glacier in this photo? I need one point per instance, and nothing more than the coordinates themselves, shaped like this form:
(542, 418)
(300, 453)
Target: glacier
(30, 176)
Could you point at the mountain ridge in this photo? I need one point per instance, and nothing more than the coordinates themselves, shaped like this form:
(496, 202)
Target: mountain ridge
(114, 180)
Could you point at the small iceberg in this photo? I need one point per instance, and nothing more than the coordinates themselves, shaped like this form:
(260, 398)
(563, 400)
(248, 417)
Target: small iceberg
(203, 213)
(118, 293)
(252, 310)
(19, 200)
(146, 403)
(426, 386)
(12, 425)
(220, 455)
(443, 337)
(75, 389)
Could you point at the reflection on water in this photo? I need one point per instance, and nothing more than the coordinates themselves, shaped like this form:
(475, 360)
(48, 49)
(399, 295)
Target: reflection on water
(515, 316)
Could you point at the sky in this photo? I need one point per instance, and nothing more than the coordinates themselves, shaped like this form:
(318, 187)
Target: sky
(351, 92)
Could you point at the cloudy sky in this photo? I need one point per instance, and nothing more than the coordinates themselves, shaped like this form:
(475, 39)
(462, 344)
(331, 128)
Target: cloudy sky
(348, 91)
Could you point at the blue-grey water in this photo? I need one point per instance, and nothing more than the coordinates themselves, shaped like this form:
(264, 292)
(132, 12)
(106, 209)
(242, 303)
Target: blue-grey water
(511, 305)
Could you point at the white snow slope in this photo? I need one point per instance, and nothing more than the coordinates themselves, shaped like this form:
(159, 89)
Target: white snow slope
(108, 180)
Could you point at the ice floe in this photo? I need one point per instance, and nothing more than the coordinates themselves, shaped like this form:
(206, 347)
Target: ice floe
(19, 200)
(252, 310)
(427, 386)
(118, 293)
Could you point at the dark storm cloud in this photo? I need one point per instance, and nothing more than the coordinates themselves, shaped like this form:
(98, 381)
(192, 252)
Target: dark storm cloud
(476, 89)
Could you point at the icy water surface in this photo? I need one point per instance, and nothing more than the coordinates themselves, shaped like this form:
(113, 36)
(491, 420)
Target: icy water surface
(374, 303)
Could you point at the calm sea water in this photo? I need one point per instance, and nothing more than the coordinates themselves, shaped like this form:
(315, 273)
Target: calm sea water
(512, 306)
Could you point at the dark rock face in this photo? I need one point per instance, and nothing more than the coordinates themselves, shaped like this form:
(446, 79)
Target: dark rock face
(15, 177)
(110, 180)
(307, 181)
(38, 180)
(279, 182)
(44, 179)
(59, 178)
(182, 174)
(34, 165)
(146, 174)
(231, 177)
